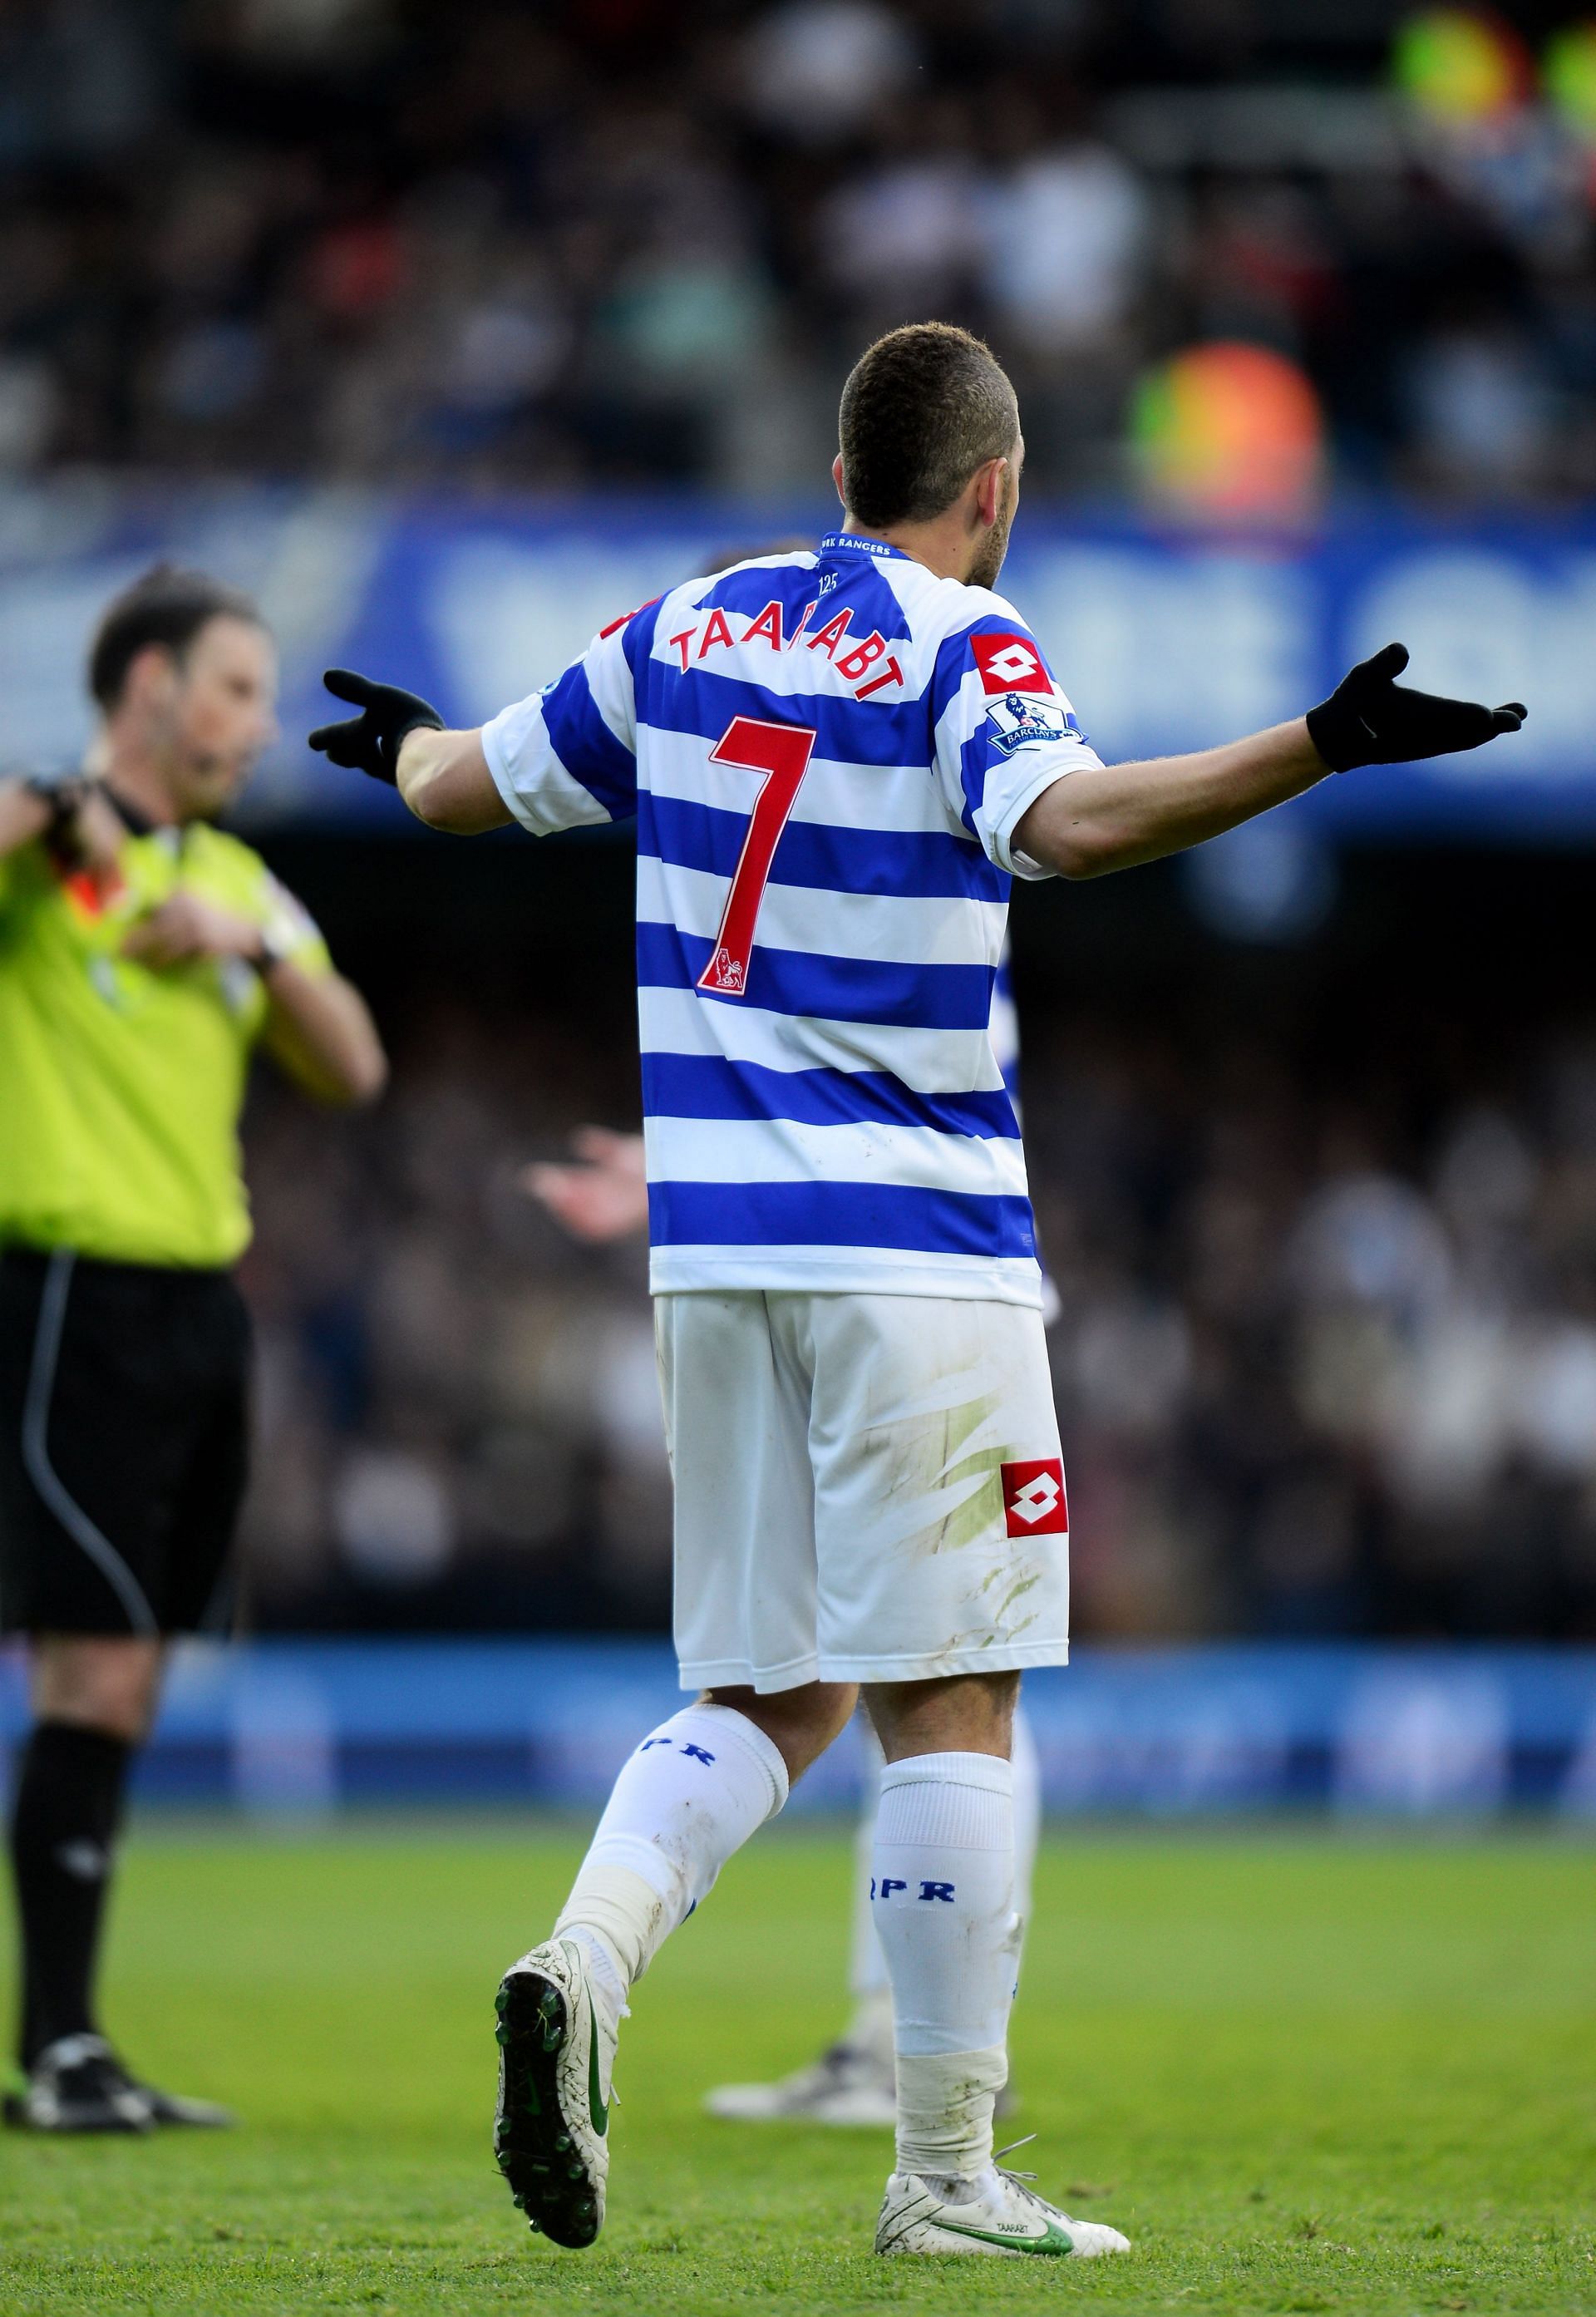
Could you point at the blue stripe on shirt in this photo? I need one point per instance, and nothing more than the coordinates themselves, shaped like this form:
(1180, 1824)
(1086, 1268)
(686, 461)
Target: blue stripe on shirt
(854, 581)
(586, 746)
(707, 1086)
(637, 642)
(836, 989)
(925, 864)
(840, 1214)
(885, 732)
(980, 757)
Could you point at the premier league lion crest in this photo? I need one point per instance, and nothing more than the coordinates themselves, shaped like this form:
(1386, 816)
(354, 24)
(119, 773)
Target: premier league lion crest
(1019, 718)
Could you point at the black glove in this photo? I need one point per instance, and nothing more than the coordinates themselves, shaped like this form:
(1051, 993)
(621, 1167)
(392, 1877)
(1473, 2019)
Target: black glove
(1369, 719)
(370, 742)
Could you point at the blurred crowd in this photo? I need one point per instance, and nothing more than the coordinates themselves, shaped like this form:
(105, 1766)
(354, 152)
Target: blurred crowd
(620, 241)
(1320, 1371)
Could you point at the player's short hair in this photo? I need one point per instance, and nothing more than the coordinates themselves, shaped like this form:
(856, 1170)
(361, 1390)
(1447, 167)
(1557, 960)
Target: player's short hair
(923, 409)
(166, 606)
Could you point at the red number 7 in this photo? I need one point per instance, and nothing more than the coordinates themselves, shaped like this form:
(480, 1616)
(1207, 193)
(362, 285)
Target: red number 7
(781, 752)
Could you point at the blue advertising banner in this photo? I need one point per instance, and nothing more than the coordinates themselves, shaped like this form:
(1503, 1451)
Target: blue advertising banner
(305, 1727)
(1165, 640)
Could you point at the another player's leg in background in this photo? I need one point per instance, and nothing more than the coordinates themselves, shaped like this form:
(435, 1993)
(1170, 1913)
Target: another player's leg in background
(853, 2082)
(693, 1794)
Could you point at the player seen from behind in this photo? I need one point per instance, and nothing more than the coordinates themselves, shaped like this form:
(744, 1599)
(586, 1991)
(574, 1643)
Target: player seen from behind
(837, 759)
(143, 954)
(601, 1194)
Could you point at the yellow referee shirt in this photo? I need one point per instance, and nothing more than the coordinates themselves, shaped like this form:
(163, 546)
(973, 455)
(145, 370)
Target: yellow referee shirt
(120, 1085)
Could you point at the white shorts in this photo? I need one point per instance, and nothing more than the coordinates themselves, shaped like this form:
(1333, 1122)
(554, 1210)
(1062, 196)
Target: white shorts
(869, 1488)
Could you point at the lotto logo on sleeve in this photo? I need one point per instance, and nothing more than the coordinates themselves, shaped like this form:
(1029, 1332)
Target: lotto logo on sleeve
(1010, 664)
(1034, 1502)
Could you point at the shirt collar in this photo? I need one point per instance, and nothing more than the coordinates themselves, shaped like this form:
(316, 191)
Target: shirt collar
(139, 823)
(850, 542)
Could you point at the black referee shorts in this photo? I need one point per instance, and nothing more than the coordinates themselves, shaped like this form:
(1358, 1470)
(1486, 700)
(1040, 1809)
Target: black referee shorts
(123, 1443)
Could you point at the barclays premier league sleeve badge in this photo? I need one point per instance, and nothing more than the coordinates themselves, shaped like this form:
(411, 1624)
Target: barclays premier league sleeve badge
(1019, 719)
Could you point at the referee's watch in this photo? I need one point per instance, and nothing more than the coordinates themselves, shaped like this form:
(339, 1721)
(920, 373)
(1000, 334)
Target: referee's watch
(62, 794)
(267, 956)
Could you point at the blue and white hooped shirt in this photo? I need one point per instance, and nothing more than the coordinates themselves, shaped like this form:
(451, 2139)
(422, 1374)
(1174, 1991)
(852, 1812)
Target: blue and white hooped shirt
(827, 753)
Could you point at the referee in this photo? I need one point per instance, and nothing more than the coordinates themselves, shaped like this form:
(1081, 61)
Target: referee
(142, 954)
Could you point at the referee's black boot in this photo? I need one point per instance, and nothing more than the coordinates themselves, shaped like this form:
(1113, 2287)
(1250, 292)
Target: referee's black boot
(77, 2084)
(192, 2114)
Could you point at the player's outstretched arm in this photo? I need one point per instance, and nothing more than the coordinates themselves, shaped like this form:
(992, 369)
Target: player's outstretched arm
(399, 736)
(603, 1194)
(1120, 815)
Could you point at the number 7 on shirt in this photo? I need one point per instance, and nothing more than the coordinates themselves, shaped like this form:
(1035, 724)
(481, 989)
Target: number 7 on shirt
(781, 752)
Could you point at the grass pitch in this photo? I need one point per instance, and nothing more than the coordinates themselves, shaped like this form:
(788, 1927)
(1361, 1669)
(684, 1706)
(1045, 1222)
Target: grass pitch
(1301, 2073)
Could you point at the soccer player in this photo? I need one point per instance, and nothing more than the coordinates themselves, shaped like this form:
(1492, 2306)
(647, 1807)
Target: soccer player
(838, 758)
(143, 953)
(601, 1194)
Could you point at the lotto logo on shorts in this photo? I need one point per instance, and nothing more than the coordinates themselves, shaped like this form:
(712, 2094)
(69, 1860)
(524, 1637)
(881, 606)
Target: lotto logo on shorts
(1010, 664)
(1034, 1502)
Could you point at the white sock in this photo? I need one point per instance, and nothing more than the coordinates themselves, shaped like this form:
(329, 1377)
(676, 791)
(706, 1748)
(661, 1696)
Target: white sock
(693, 1793)
(943, 1884)
(944, 2114)
(871, 2026)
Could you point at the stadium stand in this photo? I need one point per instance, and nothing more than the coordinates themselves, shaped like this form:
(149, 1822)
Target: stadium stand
(1327, 1363)
(603, 243)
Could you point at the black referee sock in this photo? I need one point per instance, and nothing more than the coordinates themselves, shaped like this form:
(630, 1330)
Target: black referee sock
(64, 1822)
